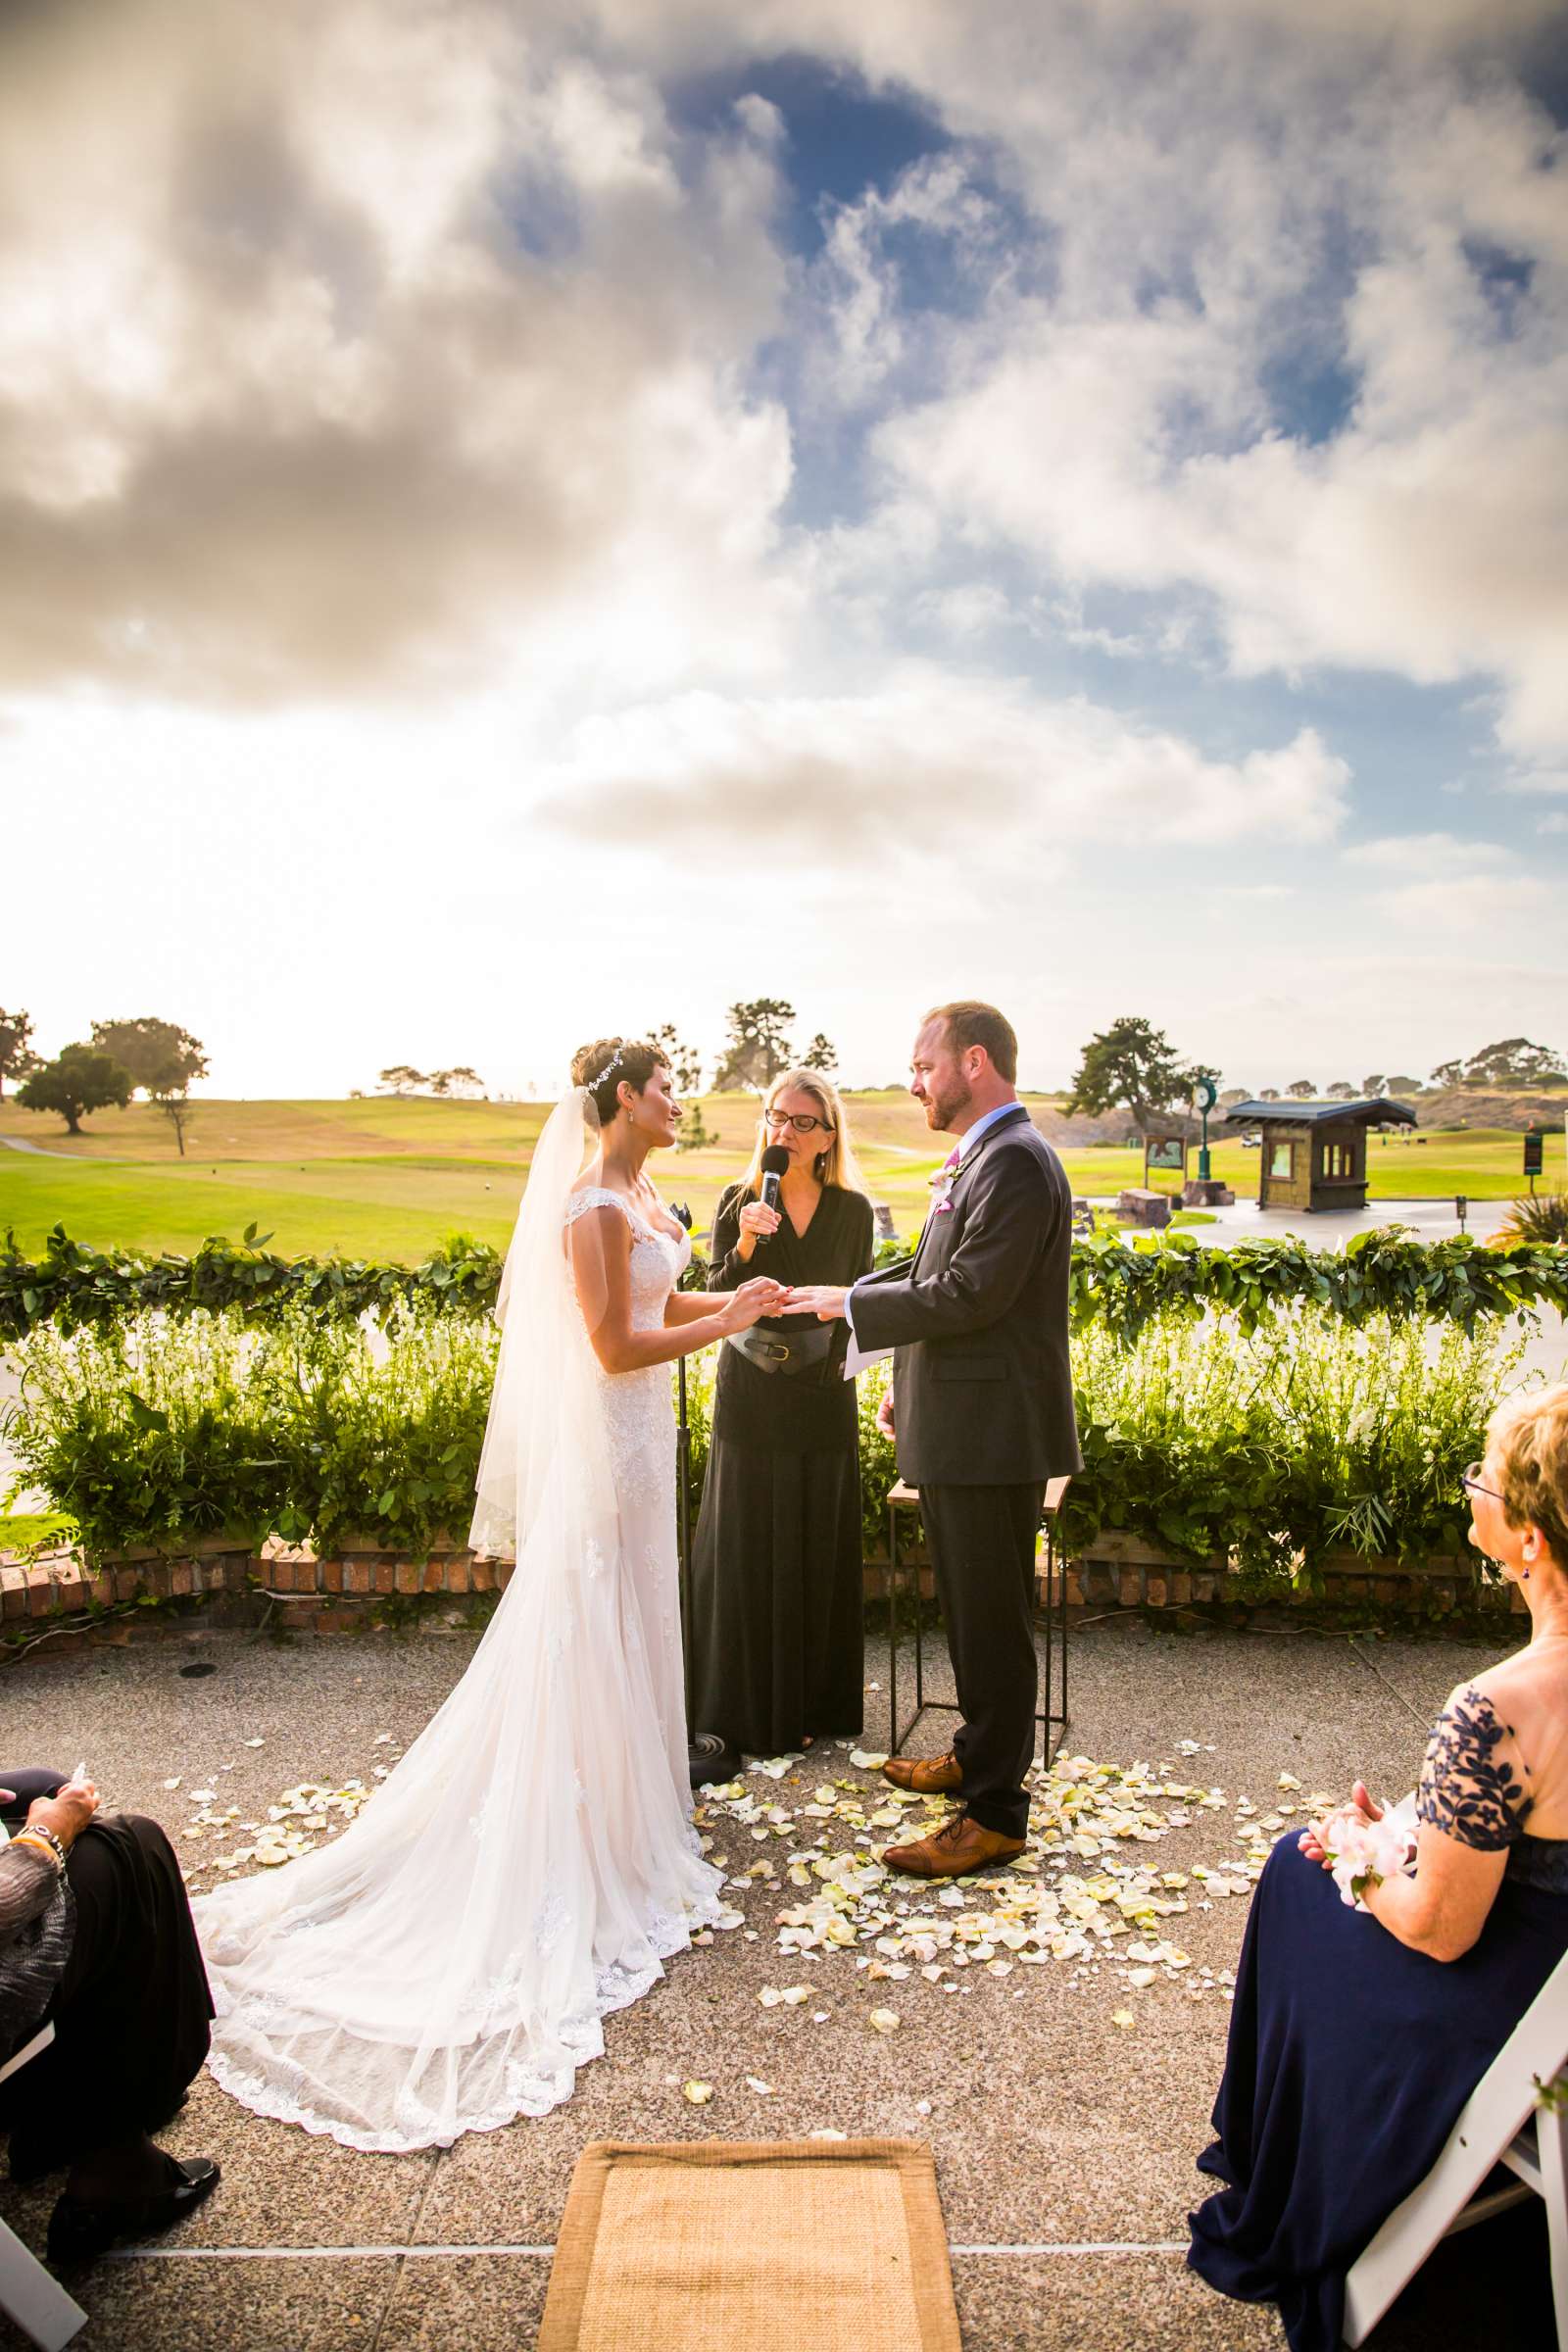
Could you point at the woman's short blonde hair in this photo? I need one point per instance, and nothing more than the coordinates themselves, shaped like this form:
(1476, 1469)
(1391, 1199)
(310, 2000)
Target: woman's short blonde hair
(837, 1163)
(1530, 1435)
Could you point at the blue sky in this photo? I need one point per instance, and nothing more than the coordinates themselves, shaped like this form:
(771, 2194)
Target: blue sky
(535, 522)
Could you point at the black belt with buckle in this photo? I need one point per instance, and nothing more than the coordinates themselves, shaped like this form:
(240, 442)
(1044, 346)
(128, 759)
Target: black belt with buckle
(771, 1354)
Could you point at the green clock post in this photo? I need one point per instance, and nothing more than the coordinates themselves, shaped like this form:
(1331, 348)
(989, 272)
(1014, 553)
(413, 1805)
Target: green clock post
(1204, 1191)
(1206, 1093)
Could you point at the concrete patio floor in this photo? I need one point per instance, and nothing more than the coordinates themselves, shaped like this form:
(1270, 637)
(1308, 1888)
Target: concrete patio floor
(1065, 2143)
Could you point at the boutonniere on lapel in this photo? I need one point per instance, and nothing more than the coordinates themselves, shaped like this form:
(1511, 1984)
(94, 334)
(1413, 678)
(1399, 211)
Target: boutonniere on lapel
(942, 1184)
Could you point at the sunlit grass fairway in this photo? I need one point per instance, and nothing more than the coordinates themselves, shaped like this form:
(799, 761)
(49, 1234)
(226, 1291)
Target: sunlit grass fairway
(389, 1178)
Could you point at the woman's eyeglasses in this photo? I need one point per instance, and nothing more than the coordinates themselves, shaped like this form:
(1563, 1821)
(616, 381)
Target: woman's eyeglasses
(801, 1122)
(1470, 1479)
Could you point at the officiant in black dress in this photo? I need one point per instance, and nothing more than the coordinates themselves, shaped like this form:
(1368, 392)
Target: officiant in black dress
(777, 1648)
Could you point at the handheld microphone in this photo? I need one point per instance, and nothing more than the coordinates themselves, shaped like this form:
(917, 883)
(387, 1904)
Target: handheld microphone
(775, 1160)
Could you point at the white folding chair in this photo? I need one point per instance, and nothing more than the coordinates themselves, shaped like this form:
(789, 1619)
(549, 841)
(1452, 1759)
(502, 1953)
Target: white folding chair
(38, 2303)
(1501, 2123)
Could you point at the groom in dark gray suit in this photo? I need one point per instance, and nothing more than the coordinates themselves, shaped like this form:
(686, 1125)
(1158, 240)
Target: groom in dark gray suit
(982, 1413)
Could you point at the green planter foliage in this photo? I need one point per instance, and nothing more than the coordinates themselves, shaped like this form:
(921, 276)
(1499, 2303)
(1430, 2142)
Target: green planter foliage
(1273, 1432)
(1307, 1436)
(379, 1430)
(144, 1442)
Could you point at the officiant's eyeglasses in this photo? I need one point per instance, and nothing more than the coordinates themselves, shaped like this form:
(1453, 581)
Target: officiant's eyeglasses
(1470, 1479)
(802, 1121)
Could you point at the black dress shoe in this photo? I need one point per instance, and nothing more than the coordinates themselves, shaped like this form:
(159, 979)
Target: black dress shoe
(78, 2229)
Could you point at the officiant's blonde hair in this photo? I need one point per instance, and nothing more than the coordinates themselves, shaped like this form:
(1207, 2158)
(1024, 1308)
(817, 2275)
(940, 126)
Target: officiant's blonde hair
(837, 1165)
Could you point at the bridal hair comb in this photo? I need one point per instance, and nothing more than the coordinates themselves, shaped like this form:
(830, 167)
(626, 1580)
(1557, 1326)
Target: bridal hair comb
(613, 1063)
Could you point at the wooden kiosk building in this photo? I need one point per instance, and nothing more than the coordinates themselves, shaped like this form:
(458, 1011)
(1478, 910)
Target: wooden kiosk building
(1314, 1154)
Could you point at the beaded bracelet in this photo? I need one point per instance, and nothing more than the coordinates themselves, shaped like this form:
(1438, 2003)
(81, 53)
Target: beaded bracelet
(45, 1840)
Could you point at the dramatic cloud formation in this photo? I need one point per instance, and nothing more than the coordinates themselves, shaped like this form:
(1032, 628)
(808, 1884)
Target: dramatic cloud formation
(1127, 442)
(357, 338)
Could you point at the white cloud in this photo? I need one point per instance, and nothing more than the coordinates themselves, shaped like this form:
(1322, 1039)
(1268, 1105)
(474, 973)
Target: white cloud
(918, 761)
(1429, 856)
(1276, 199)
(351, 350)
(1459, 906)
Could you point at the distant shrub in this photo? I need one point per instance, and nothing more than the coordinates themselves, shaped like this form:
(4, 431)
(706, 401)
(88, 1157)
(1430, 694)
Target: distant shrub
(1539, 1220)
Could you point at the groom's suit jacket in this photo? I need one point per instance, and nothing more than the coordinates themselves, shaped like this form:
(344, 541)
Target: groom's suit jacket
(978, 1321)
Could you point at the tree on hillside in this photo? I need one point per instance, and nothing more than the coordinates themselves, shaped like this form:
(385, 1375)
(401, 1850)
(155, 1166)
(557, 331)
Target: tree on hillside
(1129, 1066)
(401, 1079)
(78, 1080)
(176, 1110)
(1301, 1089)
(161, 1057)
(758, 1045)
(459, 1081)
(1449, 1073)
(1268, 1093)
(1233, 1094)
(1342, 1091)
(1513, 1061)
(1398, 1085)
(685, 1061)
(820, 1054)
(1377, 1084)
(16, 1057)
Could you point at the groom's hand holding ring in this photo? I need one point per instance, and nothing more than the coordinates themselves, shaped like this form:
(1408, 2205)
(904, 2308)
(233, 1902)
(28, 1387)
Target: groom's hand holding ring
(824, 1300)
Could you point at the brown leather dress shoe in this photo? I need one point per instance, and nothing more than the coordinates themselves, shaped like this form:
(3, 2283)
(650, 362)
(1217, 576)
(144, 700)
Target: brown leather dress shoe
(960, 1844)
(927, 1776)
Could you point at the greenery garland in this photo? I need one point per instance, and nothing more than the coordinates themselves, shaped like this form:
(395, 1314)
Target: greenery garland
(1117, 1285)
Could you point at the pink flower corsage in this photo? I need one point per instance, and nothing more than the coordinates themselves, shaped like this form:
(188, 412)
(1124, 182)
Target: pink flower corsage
(941, 1186)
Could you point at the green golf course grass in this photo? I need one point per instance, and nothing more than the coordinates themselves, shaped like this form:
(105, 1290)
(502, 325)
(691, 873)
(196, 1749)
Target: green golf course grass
(392, 1179)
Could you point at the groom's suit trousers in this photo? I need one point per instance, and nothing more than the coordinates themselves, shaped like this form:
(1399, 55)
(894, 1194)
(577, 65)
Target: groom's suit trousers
(982, 1545)
(984, 1406)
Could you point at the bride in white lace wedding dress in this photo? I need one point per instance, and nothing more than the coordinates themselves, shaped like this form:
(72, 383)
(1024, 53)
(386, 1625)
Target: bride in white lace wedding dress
(446, 1965)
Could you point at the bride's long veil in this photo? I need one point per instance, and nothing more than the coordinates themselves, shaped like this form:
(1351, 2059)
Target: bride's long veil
(446, 1964)
(544, 1439)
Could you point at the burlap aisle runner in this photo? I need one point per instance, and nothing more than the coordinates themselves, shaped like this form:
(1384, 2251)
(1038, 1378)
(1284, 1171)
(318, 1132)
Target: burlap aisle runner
(751, 2246)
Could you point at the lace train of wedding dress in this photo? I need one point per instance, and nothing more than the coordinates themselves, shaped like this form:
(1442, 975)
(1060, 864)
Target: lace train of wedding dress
(446, 1965)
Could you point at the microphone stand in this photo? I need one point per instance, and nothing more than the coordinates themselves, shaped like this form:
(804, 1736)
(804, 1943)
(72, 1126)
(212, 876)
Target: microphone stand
(707, 1756)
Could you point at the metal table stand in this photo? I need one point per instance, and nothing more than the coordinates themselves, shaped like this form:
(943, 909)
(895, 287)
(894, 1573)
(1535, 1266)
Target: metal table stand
(1053, 1718)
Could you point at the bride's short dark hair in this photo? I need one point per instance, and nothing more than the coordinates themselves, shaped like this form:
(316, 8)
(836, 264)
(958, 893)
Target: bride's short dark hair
(602, 1065)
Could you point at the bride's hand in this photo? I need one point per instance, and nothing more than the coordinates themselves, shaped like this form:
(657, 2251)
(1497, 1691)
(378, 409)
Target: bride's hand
(750, 1303)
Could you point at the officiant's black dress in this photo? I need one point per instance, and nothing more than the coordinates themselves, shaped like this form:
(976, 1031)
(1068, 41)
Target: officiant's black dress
(777, 1649)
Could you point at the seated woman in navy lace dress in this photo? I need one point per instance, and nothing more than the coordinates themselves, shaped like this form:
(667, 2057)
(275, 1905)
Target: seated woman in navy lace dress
(1355, 2042)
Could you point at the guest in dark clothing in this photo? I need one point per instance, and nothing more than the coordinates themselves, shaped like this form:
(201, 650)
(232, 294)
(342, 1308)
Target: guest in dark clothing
(96, 1939)
(777, 1650)
(1355, 2041)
